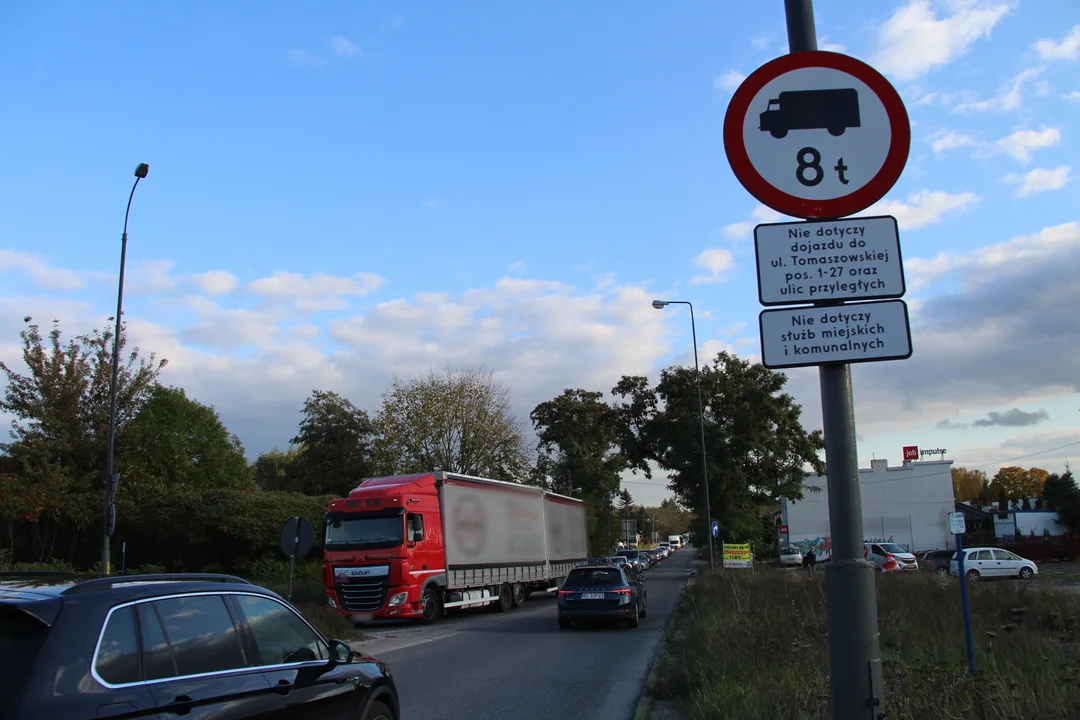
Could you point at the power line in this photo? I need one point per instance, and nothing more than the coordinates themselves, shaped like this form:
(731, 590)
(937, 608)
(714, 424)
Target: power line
(1021, 457)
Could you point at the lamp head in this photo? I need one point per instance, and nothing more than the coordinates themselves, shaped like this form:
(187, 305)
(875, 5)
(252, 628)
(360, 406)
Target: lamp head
(659, 304)
(141, 170)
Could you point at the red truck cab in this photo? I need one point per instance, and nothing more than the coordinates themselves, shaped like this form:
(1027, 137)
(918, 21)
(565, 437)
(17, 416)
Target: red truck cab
(383, 547)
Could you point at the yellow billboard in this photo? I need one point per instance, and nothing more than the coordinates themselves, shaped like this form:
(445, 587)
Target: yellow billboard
(738, 556)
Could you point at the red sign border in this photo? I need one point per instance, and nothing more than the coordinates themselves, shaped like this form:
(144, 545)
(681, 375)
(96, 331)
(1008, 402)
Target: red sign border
(782, 202)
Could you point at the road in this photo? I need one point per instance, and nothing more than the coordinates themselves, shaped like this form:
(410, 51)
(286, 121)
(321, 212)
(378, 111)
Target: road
(520, 665)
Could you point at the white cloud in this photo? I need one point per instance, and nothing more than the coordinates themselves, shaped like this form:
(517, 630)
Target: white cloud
(1067, 49)
(926, 207)
(828, 46)
(150, 277)
(717, 261)
(1009, 97)
(231, 330)
(915, 40)
(44, 276)
(216, 282)
(949, 140)
(729, 81)
(1071, 96)
(298, 55)
(1020, 143)
(759, 215)
(1040, 180)
(289, 285)
(517, 267)
(343, 47)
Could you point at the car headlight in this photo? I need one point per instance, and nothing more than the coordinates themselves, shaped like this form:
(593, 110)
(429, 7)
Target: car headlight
(398, 599)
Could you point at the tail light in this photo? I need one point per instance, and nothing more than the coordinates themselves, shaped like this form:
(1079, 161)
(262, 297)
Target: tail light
(565, 593)
(624, 591)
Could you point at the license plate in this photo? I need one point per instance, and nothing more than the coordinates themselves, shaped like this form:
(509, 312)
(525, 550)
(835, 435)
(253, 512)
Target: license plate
(592, 596)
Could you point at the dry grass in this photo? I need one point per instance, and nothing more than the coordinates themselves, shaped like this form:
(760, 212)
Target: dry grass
(753, 645)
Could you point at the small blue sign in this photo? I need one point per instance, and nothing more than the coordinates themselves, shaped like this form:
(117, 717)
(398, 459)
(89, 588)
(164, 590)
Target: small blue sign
(715, 529)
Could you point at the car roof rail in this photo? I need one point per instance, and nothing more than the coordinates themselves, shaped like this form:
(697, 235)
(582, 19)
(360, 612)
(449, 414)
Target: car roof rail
(103, 583)
(39, 573)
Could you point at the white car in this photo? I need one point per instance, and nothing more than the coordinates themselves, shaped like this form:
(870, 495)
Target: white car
(790, 556)
(877, 553)
(984, 562)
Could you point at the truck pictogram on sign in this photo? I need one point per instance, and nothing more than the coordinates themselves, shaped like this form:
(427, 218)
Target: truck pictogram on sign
(832, 110)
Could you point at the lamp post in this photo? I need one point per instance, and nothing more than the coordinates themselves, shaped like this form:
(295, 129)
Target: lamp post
(660, 305)
(111, 478)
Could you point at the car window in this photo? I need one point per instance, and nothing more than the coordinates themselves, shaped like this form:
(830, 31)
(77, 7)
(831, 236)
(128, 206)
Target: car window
(158, 659)
(1003, 555)
(594, 576)
(982, 555)
(200, 633)
(281, 636)
(20, 639)
(117, 660)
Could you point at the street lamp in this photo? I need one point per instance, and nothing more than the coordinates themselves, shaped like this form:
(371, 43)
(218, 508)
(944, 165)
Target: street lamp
(660, 305)
(112, 479)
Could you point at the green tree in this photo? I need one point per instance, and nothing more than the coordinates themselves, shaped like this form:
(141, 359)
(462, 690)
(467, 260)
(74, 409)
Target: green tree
(335, 446)
(756, 446)
(1061, 493)
(967, 484)
(458, 422)
(275, 470)
(579, 448)
(1018, 483)
(176, 441)
(58, 437)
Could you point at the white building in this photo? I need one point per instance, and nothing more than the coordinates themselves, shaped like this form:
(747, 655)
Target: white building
(908, 505)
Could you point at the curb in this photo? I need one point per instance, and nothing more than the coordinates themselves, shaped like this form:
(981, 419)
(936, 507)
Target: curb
(645, 700)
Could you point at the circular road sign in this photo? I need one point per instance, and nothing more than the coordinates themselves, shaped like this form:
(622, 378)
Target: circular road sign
(715, 529)
(296, 537)
(817, 135)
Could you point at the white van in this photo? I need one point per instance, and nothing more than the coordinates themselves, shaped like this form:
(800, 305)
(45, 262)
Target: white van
(876, 552)
(675, 541)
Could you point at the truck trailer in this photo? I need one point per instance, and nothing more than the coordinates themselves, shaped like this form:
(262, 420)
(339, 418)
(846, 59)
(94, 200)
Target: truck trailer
(414, 546)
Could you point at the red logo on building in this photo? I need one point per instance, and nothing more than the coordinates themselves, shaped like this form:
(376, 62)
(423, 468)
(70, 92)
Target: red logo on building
(911, 452)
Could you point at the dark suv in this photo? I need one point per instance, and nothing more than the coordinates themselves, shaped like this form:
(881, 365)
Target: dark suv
(161, 646)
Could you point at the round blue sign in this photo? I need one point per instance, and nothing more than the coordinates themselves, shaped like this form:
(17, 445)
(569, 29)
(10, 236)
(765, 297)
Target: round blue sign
(715, 529)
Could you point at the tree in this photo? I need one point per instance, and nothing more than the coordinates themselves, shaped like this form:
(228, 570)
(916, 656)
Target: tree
(335, 446)
(1019, 483)
(756, 446)
(459, 422)
(61, 411)
(967, 484)
(176, 441)
(579, 447)
(275, 470)
(1061, 493)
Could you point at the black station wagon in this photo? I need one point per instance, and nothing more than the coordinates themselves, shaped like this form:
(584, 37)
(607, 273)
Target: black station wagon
(160, 646)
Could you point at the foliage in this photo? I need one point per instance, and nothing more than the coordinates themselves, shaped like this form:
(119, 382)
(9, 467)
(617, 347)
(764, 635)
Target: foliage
(453, 421)
(56, 459)
(335, 440)
(186, 529)
(273, 470)
(756, 446)
(579, 447)
(176, 441)
(753, 645)
(1061, 493)
(967, 484)
(1017, 483)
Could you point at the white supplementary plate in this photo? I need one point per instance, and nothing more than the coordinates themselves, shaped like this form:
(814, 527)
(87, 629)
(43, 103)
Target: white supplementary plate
(957, 525)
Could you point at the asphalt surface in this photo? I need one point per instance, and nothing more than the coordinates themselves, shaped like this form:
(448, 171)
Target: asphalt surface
(521, 665)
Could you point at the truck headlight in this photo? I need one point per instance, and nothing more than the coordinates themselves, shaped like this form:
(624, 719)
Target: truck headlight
(330, 602)
(398, 599)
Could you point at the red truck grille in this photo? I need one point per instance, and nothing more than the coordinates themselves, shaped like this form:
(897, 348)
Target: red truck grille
(365, 594)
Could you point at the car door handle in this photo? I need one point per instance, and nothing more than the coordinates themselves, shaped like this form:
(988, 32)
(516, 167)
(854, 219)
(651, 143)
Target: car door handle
(283, 686)
(181, 705)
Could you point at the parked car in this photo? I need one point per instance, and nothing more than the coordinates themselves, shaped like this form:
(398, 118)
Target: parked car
(602, 593)
(879, 553)
(214, 646)
(984, 562)
(790, 556)
(937, 561)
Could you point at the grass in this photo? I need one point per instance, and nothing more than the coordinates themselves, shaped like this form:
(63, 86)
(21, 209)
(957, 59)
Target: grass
(753, 645)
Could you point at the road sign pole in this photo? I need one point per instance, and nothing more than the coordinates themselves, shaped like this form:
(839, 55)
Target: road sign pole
(964, 601)
(856, 679)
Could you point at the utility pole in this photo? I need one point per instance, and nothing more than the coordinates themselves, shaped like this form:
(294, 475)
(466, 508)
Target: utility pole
(855, 672)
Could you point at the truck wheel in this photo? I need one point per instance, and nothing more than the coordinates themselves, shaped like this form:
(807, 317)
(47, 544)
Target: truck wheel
(431, 605)
(778, 133)
(505, 601)
(518, 595)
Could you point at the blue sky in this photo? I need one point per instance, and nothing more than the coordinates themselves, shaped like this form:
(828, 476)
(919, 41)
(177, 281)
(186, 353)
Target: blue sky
(343, 191)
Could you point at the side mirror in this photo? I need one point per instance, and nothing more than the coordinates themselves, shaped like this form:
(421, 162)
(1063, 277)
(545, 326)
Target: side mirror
(340, 652)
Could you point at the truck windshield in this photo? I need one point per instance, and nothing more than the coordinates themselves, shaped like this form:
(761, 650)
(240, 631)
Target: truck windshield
(344, 533)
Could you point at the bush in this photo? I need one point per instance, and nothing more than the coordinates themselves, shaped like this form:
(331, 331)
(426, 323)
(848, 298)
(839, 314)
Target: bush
(753, 645)
(188, 530)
